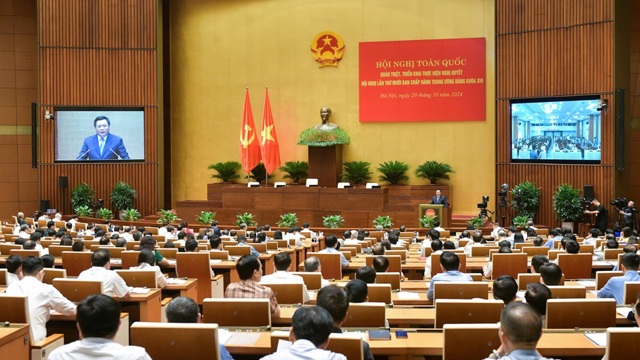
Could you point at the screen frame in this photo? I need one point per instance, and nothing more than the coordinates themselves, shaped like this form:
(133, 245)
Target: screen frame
(551, 99)
(56, 109)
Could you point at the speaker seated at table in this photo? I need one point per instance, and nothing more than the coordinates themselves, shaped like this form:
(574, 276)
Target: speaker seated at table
(177, 340)
(479, 340)
(245, 313)
(467, 311)
(347, 344)
(460, 290)
(581, 313)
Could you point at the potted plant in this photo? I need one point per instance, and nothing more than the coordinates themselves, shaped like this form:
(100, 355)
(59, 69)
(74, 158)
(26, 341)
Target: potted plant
(259, 173)
(167, 216)
(567, 204)
(520, 221)
(206, 217)
(226, 171)
(384, 221)
(246, 219)
(332, 221)
(433, 171)
(476, 222)
(356, 172)
(104, 213)
(122, 197)
(131, 215)
(526, 199)
(393, 172)
(82, 195)
(427, 221)
(84, 211)
(288, 220)
(295, 170)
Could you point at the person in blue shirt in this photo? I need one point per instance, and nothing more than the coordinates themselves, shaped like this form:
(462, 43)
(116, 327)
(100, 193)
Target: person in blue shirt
(242, 241)
(614, 288)
(331, 241)
(450, 264)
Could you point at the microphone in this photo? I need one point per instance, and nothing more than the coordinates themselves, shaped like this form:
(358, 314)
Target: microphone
(82, 155)
(115, 153)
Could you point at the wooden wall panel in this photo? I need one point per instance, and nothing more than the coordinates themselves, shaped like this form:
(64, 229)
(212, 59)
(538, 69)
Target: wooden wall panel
(99, 53)
(550, 48)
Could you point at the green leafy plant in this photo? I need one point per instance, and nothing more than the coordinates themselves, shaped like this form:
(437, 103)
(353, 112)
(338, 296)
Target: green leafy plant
(476, 222)
(526, 199)
(332, 221)
(567, 203)
(167, 216)
(384, 221)
(317, 137)
(123, 195)
(246, 218)
(82, 195)
(83, 210)
(393, 172)
(206, 217)
(520, 221)
(433, 171)
(356, 172)
(288, 220)
(104, 213)
(427, 221)
(295, 170)
(226, 171)
(131, 215)
(259, 173)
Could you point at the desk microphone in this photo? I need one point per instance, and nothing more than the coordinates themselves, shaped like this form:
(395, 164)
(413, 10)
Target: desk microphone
(115, 153)
(82, 155)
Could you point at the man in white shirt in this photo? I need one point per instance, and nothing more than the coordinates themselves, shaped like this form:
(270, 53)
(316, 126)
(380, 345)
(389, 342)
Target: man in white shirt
(312, 264)
(282, 261)
(477, 241)
(331, 241)
(14, 269)
(42, 298)
(436, 246)
(426, 243)
(98, 320)
(112, 283)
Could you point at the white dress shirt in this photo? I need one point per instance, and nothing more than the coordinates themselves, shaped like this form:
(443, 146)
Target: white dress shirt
(304, 350)
(42, 298)
(427, 265)
(12, 278)
(160, 279)
(285, 277)
(112, 283)
(98, 349)
(330, 250)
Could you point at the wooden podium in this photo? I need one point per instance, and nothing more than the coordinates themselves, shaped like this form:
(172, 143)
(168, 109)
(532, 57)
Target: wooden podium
(325, 164)
(442, 213)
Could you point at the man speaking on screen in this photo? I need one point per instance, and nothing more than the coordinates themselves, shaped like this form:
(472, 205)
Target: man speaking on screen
(103, 145)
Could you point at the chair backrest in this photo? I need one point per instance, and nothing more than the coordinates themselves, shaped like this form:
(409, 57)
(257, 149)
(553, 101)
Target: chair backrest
(219, 255)
(282, 243)
(379, 293)
(478, 339)
(435, 263)
(152, 229)
(159, 238)
(631, 290)
(3, 277)
(553, 254)
(482, 250)
(5, 249)
(50, 274)
(581, 313)
(392, 278)
(519, 246)
(168, 253)
(139, 278)
(76, 290)
(87, 243)
(46, 242)
(525, 279)
(622, 343)
(56, 250)
(352, 250)
(402, 253)
(14, 309)
(76, 262)
(612, 254)
(287, 293)
(587, 248)
(129, 258)
(467, 311)
(177, 340)
(347, 254)
(238, 250)
(395, 262)
(575, 266)
(568, 292)
(237, 312)
(196, 265)
(603, 276)
(272, 245)
(226, 243)
(509, 264)
(114, 252)
(460, 290)
(365, 315)
(347, 344)
(331, 267)
(24, 253)
(260, 247)
(494, 251)
(313, 280)
(133, 245)
(535, 250)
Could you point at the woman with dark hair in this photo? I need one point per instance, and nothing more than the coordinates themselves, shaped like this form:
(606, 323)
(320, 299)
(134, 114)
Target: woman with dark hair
(147, 261)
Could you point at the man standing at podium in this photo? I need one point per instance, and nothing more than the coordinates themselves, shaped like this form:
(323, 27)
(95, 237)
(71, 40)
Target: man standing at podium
(439, 199)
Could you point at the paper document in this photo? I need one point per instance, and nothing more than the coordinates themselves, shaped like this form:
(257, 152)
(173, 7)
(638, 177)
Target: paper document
(139, 290)
(243, 338)
(175, 281)
(599, 338)
(406, 295)
(224, 335)
(623, 310)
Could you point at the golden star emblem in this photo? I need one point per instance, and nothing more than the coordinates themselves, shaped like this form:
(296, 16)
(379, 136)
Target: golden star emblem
(266, 134)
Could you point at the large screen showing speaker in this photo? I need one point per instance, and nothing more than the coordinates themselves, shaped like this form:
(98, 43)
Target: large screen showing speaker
(556, 130)
(99, 134)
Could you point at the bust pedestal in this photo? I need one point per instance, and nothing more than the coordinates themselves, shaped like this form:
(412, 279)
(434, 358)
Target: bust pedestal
(325, 164)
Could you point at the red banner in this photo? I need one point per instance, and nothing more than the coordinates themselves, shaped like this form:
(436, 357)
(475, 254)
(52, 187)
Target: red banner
(269, 145)
(249, 145)
(423, 80)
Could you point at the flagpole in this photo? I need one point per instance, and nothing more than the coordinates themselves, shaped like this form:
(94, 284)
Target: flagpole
(266, 181)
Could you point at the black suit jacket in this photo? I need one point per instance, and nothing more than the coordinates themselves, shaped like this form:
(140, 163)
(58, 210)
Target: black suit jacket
(442, 201)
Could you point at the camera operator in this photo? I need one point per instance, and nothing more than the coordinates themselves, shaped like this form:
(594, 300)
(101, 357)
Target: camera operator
(601, 215)
(629, 213)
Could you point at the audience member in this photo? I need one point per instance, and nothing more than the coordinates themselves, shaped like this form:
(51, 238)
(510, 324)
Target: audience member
(250, 272)
(537, 261)
(614, 288)
(537, 296)
(505, 289)
(14, 269)
(436, 246)
(550, 274)
(331, 241)
(147, 261)
(520, 330)
(112, 283)
(366, 274)
(357, 291)
(282, 261)
(450, 264)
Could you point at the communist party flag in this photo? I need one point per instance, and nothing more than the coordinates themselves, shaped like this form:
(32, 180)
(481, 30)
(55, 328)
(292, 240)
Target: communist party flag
(249, 147)
(269, 145)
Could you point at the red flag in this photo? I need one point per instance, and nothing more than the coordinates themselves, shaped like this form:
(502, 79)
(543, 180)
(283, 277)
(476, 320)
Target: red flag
(249, 146)
(269, 145)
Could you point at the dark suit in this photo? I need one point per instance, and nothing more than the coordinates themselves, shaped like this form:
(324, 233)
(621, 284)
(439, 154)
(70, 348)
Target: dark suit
(442, 201)
(113, 148)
